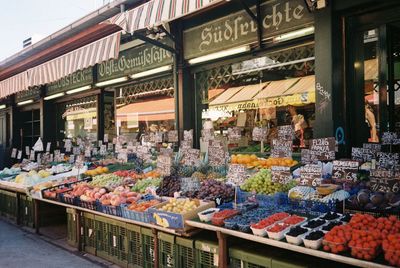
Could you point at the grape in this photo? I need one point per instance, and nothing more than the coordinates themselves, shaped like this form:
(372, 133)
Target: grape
(262, 183)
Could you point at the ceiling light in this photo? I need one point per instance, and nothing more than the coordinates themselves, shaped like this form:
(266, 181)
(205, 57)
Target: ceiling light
(221, 54)
(152, 71)
(79, 89)
(3, 106)
(294, 34)
(54, 96)
(24, 102)
(112, 81)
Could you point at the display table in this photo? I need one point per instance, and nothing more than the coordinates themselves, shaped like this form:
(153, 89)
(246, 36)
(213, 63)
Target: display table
(222, 234)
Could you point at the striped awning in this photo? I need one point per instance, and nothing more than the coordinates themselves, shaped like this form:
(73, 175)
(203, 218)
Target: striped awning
(14, 84)
(101, 50)
(157, 12)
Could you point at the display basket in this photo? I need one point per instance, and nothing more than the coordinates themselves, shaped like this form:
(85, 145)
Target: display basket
(263, 200)
(110, 210)
(72, 200)
(88, 205)
(312, 207)
(135, 215)
(65, 187)
(349, 208)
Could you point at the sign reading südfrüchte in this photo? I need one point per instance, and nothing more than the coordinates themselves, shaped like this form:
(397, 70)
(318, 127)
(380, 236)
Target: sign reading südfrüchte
(239, 29)
(134, 60)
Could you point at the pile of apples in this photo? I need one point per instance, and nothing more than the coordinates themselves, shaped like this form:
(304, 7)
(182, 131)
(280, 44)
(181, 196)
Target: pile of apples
(391, 247)
(121, 195)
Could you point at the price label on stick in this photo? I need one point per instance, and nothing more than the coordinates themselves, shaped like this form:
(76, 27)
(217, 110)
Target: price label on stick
(385, 181)
(362, 154)
(311, 175)
(374, 147)
(48, 146)
(281, 148)
(281, 174)
(345, 171)
(387, 160)
(323, 149)
(14, 153)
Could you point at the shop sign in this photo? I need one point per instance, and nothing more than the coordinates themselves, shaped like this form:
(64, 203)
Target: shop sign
(77, 79)
(237, 29)
(32, 93)
(296, 99)
(247, 105)
(135, 60)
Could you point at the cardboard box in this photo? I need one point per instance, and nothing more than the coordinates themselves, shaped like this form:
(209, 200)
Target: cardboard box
(175, 220)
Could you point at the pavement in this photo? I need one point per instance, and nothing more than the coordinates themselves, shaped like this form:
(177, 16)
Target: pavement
(22, 249)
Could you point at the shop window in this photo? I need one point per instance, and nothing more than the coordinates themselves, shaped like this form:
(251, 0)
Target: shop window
(270, 90)
(78, 119)
(145, 107)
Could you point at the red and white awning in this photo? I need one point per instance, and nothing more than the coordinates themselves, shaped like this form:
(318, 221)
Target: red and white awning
(14, 84)
(101, 50)
(157, 12)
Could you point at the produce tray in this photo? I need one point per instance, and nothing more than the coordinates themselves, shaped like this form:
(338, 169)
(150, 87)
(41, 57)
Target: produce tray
(135, 215)
(89, 205)
(61, 186)
(69, 200)
(110, 210)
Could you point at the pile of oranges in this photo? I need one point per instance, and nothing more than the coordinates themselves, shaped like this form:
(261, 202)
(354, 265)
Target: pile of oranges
(97, 171)
(252, 161)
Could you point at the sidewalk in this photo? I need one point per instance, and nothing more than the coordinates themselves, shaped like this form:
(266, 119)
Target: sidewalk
(20, 249)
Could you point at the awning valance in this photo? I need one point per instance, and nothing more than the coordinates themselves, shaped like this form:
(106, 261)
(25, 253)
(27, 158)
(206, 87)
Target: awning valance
(157, 12)
(276, 88)
(152, 110)
(101, 50)
(13, 84)
(226, 95)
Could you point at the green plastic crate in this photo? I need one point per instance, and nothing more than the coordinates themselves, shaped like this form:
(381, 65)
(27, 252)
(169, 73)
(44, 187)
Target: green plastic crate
(135, 253)
(184, 253)
(166, 250)
(102, 238)
(206, 254)
(72, 226)
(89, 233)
(9, 205)
(242, 258)
(282, 262)
(147, 247)
(26, 211)
(117, 242)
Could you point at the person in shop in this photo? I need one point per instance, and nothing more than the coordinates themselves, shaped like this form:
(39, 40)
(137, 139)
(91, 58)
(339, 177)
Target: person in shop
(299, 124)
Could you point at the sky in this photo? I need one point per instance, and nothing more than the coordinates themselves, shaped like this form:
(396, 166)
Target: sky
(21, 19)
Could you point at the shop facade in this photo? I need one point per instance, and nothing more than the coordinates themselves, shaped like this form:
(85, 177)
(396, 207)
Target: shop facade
(254, 64)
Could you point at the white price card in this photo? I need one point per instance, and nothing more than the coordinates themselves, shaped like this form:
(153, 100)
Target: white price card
(19, 156)
(14, 153)
(27, 151)
(32, 155)
(48, 146)
(105, 139)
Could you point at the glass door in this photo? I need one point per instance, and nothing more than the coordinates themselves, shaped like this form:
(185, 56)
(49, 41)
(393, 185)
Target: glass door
(373, 82)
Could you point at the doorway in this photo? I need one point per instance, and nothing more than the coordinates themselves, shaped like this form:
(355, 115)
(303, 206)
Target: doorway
(373, 79)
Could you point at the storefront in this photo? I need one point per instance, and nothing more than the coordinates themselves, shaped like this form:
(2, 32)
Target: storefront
(244, 81)
(144, 96)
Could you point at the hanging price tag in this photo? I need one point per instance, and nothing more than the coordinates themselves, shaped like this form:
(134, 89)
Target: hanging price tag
(105, 139)
(110, 147)
(39, 159)
(71, 159)
(87, 153)
(27, 151)
(48, 145)
(32, 155)
(19, 156)
(14, 153)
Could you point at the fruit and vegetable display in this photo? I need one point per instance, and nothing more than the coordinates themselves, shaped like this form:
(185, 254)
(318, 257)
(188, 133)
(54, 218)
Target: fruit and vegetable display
(142, 185)
(121, 195)
(169, 186)
(252, 161)
(109, 181)
(32, 177)
(211, 190)
(143, 206)
(181, 206)
(9, 172)
(262, 183)
(97, 171)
